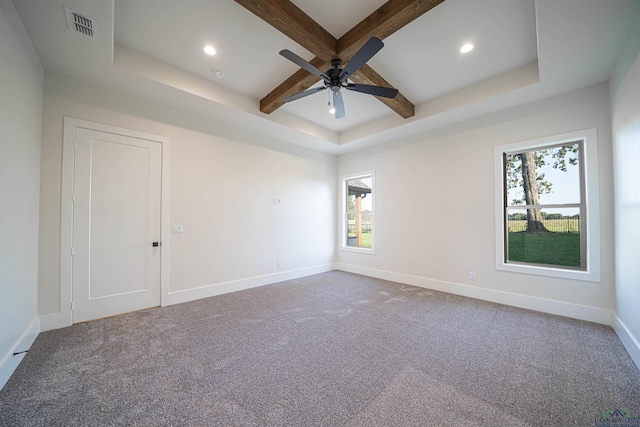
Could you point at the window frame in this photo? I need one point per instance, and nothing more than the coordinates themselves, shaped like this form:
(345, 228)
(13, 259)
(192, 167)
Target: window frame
(344, 214)
(590, 199)
(581, 205)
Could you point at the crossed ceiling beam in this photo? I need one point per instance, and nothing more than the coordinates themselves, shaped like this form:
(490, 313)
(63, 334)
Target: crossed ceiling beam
(297, 25)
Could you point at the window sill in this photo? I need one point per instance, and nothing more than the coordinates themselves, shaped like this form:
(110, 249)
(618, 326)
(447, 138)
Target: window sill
(366, 251)
(561, 273)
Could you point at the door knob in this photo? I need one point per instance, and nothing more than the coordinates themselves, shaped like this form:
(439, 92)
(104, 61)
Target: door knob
(156, 244)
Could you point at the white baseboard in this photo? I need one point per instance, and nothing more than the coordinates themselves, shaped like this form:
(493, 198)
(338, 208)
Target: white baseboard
(242, 284)
(575, 311)
(631, 343)
(49, 322)
(10, 362)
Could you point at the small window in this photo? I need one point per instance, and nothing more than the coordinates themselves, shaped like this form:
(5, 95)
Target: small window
(357, 208)
(545, 211)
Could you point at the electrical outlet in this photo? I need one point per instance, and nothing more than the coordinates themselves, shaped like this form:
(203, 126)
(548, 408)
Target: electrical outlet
(177, 229)
(472, 276)
(380, 262)
(278, 265)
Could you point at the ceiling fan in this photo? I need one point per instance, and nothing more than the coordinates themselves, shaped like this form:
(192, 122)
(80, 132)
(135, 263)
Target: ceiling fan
(336, 78)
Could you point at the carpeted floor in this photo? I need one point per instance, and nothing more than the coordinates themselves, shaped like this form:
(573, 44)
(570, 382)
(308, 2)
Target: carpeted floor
(335, 349)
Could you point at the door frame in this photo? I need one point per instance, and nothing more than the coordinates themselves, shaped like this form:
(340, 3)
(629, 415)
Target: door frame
(66, 210)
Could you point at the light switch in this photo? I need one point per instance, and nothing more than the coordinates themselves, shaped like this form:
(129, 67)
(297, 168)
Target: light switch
(177, 229)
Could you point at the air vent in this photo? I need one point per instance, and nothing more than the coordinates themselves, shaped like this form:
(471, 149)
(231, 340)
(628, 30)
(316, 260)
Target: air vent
(81, 24)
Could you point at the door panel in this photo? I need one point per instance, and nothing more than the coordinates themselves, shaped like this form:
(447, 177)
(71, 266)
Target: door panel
(117, 187)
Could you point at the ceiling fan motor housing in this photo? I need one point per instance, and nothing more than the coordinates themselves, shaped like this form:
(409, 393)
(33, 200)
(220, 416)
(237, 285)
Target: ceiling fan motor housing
(334, 75)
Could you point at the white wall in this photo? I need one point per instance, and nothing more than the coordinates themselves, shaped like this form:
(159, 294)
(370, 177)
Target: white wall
(21, 82)
(222, 184)
(625, 110)
(435, 208)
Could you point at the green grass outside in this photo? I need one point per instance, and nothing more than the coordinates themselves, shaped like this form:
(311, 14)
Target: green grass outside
(365, 240)
(545, 248)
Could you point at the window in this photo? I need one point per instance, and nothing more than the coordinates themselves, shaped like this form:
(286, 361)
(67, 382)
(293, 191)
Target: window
(357, 209)
(544, 206)
(547, 218)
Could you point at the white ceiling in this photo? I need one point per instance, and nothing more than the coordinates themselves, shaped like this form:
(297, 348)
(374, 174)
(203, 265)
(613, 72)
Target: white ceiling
(525, 50)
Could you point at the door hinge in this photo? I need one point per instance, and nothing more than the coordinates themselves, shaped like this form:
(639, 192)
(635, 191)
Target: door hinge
(73, 251)
(73, 306)
(73, 197)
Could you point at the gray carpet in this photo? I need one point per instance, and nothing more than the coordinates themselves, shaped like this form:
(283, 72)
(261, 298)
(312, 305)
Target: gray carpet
(335, 349)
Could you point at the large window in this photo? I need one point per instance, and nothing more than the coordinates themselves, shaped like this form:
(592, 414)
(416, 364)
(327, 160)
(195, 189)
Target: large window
(544, 206)
(357, 208)
(545, 211)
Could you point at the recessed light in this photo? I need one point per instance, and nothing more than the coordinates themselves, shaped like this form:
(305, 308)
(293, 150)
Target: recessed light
(466, 48)
(209, 50)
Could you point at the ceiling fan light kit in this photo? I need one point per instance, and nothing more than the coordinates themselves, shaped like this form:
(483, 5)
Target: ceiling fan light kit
(337, 78)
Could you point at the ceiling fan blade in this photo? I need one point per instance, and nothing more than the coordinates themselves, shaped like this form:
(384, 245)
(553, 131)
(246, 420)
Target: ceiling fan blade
(338, 104)
(385, 92)
(303, 94)
(304, 64)
(366, 52)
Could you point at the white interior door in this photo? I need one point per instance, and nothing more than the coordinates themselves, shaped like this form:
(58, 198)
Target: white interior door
(116, 220)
